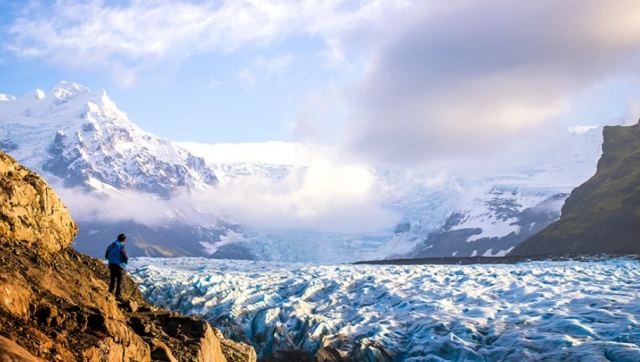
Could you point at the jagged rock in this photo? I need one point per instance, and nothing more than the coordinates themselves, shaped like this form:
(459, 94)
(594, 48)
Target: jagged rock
(47, 314)
(109, 349)
(237, 352)
(11, 352)
(204, 346)
(330, 354)
(30, 212)
(288, 356)
(209, 347)
(16, 296)
(129, 306)
(341, 348)
(371, 351)
(140, 325)
(160, 351)
(55, 305)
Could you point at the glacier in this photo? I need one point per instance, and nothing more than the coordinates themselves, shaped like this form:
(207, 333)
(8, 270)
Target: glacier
(537, 310)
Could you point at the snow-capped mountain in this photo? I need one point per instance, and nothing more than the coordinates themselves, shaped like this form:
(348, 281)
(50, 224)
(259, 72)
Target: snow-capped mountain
(170, 192)
(78, 139)
(82, 139)
(489, 216)
(492, 225)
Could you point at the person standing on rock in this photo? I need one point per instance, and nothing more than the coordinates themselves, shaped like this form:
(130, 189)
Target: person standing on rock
(118, 258)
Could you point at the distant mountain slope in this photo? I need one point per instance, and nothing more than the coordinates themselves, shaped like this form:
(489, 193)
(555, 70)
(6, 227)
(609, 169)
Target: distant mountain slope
(489, 216)
(502, 224)
(603, 214)
(169, 240)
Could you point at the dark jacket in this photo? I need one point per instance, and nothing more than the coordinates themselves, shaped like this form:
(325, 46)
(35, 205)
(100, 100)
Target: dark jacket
(117, 254)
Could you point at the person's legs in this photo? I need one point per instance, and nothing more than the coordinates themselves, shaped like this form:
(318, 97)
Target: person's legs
(118, 281)
(112, 277)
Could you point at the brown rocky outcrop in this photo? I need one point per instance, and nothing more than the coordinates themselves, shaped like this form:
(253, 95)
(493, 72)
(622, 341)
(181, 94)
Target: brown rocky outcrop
(54, 304)
(30, 212)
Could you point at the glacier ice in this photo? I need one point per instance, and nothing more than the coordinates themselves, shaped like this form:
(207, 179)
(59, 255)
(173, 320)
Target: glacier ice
(571, 310)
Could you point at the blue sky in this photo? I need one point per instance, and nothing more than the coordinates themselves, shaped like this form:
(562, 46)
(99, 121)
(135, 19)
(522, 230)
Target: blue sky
(395, 80)
(249, 94)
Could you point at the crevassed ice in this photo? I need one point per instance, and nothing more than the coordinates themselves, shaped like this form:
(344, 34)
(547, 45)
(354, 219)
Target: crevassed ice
(528, 311)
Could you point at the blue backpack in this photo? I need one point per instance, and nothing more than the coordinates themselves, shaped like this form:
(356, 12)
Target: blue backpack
(116, 254)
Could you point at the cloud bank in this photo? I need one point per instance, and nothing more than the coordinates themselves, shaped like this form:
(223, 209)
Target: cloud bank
(322, 194)
(468, 79)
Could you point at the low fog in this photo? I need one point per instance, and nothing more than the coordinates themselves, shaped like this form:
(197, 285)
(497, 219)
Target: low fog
(321, 195)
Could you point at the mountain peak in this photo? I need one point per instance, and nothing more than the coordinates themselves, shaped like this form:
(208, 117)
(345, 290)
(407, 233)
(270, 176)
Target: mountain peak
(35, 94)
(106, 100)
(6, 97)
(83, 139)
(68, 90)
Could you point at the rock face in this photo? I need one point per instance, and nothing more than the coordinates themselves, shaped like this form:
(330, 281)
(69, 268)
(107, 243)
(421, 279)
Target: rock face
(603, 214)
(55, 305)
(30, 212)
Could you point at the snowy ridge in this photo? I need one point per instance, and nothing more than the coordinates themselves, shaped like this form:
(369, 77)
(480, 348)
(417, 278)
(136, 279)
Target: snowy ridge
(489, 216)
(528, 311)
(494, 214)
(83, 139)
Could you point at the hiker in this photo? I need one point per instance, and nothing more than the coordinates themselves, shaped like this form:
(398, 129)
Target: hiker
(118, 258)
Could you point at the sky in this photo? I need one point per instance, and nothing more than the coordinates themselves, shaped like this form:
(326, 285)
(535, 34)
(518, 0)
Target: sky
(396, 82)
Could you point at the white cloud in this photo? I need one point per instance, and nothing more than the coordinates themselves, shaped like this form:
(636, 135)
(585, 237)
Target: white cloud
(323, 193)
(319, 118)
(324, 196)
(471, 79)
(141, 34)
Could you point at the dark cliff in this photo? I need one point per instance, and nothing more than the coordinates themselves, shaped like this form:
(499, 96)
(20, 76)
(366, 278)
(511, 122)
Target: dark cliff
(603, 214)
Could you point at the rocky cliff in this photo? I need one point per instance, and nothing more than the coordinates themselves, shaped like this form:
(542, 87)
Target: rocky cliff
(54, 304)
(603, 214)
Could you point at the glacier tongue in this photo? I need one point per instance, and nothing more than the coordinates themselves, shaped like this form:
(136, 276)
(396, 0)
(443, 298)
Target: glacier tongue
(528, 311)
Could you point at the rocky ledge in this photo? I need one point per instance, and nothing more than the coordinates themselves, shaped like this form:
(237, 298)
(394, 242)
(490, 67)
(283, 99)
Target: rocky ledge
(54, 304)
